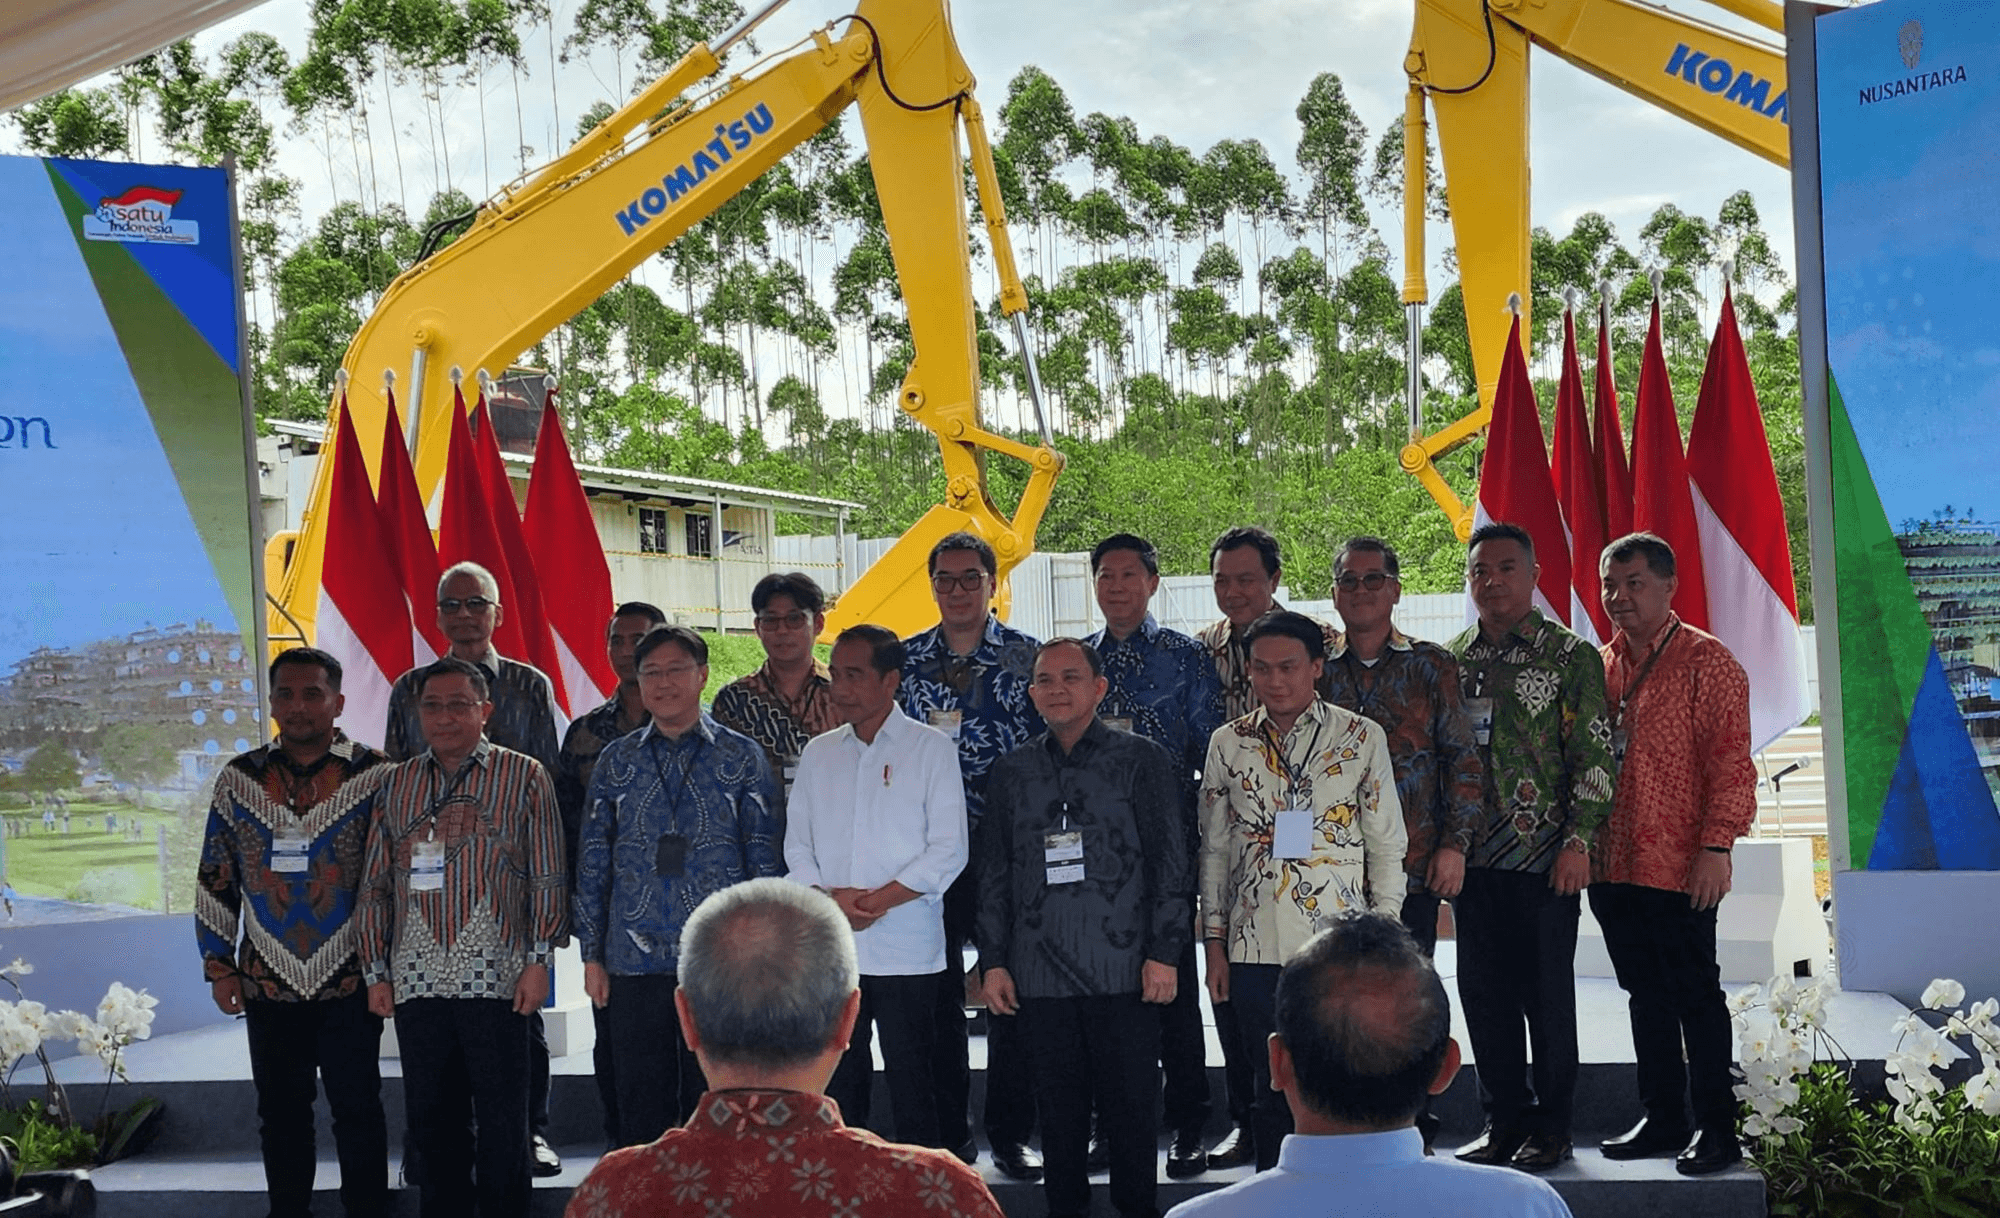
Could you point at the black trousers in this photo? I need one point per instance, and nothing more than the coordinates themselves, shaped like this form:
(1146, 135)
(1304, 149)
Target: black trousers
(294, 1048)
(658, 1080)
(904, 1010)
(1105, 1049)
(1516, 967)
(1663, 950)
(1183, 1049)
(538, 1072)
(1420, 918)
(1009, 1117)
(465, 1061)
(1253, 991)
(606, 1073)
(1238, 1087)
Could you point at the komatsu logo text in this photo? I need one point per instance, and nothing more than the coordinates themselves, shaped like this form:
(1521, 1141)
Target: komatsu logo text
(1713, 75)
(730, 139)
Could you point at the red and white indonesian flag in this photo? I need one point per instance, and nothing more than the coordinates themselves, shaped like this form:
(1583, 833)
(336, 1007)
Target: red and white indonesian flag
(363, 622)
(1662, 503)
(1515, 486)
(569, 556)
(401, 508)
(1576, 479)
(1746, 554)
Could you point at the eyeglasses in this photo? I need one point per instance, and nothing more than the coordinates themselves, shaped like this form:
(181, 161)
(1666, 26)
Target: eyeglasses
(457, 708)
(782, 621)
(663, 672)
(1372, 581)
(471, 604)
(969, 581)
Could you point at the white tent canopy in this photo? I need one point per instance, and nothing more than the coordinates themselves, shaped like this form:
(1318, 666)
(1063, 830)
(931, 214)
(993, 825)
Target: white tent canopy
(47, 45)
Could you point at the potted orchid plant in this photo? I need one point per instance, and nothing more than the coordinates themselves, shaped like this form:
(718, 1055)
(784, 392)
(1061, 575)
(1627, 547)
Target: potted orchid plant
(45, 1131)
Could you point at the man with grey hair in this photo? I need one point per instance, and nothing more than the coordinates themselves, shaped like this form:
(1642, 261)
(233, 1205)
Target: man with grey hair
(768, 995)
(524, 720)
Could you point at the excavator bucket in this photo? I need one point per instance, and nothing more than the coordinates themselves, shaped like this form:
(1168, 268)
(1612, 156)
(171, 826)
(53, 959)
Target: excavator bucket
(896, 591)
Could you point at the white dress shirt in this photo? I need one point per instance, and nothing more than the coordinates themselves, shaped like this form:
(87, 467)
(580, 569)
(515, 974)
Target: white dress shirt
(862, 815)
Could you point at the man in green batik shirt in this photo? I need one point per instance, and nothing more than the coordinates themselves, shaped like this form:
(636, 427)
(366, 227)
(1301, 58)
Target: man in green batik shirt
(1535, 694)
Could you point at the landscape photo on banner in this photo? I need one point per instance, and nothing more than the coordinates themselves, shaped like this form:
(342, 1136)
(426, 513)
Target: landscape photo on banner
(1908, 113)
(129, 650)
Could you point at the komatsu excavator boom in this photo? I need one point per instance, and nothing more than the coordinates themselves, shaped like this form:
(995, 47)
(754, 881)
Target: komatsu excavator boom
(543, 249)
(1469, 60)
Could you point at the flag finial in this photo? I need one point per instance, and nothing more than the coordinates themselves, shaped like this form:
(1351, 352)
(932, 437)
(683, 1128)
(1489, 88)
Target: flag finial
(388, 379)
(485, 379)
(457, 375)
(1728, 271)
(340, 380)
(1514, 303)
(1657, 276)
(549, 384)
(1604, 292)
(1569, 300)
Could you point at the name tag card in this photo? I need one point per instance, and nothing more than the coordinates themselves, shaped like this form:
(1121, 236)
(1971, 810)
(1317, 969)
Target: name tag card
(289, 849)
(1063, 854)
(670, 856)
(947, 721)
(1620, 740)
(1119, 724)
(1480, 711)
(427, 867)
(1291, 836)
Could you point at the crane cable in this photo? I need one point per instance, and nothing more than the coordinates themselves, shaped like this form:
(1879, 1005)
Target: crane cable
(1492, 53)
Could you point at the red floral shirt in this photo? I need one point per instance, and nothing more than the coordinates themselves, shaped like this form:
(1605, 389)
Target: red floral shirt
(785, 1154)
(1687, 781)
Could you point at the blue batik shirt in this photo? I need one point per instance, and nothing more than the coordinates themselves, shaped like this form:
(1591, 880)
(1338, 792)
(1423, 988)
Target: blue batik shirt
(980, 700)
(666, 823)
(1163, 687)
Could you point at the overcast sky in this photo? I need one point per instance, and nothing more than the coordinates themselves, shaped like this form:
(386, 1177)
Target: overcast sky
(1194, 70)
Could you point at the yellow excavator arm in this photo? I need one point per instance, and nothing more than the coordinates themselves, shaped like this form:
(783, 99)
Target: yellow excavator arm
(538, 253)
(1469, 59)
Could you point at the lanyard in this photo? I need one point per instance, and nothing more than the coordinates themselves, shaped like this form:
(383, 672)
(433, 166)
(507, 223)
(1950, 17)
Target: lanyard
(1297, 784)
(687, 774)
(296, 784)
(451, 788)
(1645, 670)
(1364, 695)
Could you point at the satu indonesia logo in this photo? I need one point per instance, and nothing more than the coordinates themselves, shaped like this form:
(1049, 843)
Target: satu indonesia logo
(141, 214)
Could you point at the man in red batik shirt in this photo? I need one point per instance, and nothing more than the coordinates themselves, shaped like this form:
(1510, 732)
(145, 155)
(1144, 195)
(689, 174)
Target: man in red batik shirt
(767, 1000)
(1659, 867)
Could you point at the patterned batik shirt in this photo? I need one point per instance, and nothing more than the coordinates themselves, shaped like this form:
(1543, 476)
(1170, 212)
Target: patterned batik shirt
(1231, 657)
(669, 821)
(1412, 690)
(281, 864)
(1334, 763)
(1548, 766)
(754, 706)
(1162, 686)
(582, 743)
(980, 700)
(753, 1153)
(523, 719)
(1688, 781)
(501, 906)
(1089, 938)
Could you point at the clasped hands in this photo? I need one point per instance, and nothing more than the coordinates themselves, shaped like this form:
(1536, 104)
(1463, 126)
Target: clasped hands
(865, 906)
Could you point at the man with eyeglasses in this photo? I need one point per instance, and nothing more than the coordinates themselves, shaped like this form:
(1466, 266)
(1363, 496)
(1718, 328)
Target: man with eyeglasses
(621, 715)
(1159, 684)
(877, 822)
(522, 718)
(1246, 566)
(461, 911)
(788, 700)
(677, 810)
(968, 677)
(1084, 909)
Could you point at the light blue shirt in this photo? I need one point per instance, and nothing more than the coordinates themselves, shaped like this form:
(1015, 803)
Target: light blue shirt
(1377, 1175)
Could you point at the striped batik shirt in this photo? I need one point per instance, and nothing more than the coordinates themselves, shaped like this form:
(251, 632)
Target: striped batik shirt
(501, 906)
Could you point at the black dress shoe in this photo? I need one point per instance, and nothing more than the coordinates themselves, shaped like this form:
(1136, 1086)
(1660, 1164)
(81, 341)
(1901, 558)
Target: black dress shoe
(545, 1161)
(1650, 1138)
(968, 1154)
(1018, 1162)
(1712, 1150)
(1494, 1147)
(1238, 1147)
(1541, 1152)
(1186, 1157)
(1428, 1124)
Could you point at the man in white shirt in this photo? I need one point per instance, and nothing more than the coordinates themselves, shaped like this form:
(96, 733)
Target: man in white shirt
(877, 821)
(1363, 1036)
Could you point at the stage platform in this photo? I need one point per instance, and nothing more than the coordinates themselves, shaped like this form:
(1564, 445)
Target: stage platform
(205, 1162)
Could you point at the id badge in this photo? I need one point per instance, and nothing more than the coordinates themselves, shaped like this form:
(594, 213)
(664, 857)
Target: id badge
(1620, 739)
(947, 721)
(1291, 835)
(426, 866)
(670, 856)
(1119, 723)
(1062, 852)
(788, 772)
(1480, 711)
(289, 850)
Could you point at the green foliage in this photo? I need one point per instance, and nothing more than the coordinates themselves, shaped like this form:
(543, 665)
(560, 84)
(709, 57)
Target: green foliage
(42, 1143)
(1851, 1160)
(51, 767)
(141, 754)
(74, 123)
